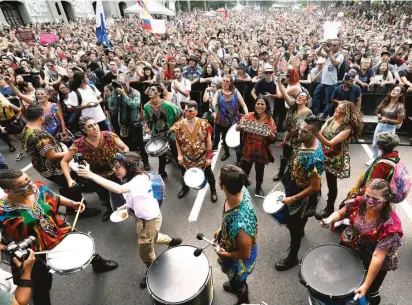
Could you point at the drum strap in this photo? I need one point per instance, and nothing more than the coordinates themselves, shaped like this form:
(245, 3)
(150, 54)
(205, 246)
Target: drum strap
(195, 159)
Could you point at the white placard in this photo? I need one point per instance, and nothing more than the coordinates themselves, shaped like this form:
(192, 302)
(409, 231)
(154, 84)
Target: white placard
(330, 30)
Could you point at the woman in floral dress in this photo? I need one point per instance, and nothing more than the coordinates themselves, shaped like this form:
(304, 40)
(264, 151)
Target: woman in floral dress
(374, 233)
(346, 125)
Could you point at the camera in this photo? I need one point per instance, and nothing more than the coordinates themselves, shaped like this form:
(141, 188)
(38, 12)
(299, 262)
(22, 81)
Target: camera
(80, 183)
(78, 158)
(18, 251)
(116, 84)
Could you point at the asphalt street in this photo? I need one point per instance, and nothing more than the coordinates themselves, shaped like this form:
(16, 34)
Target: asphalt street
(118, 241)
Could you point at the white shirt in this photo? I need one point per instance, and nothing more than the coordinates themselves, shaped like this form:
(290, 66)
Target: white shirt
(140, 197)
(183, 85)
(88, 96)
(5, 284)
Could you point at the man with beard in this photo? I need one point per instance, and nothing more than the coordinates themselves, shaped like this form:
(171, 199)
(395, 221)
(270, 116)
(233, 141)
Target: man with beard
(348, 91)
(194, 146)
(160, 116)
(303, 187)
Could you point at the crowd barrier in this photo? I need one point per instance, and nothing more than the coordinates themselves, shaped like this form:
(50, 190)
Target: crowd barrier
(370, 101)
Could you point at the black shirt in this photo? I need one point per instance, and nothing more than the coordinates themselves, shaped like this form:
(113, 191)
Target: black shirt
(262, 87)
(405, 73)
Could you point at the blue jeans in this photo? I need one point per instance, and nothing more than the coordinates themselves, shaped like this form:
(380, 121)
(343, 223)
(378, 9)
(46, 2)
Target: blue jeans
(317, 98)
(3, 163)
(381, 127)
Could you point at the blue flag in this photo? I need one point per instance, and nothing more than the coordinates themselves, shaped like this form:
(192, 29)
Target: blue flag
(101, 33)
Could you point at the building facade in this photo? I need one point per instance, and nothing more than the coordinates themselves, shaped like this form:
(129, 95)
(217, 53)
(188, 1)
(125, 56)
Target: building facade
(28, 11)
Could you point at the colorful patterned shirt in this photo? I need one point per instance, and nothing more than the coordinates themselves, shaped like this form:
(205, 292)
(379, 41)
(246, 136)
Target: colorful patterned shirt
(256, 147)
(241, 217)
(41, 220)
(337, 158)
(100, 158)
(162, 119)
(193, 144)
(374, 235)
(292, 122)
(37, 143)
(51, 121)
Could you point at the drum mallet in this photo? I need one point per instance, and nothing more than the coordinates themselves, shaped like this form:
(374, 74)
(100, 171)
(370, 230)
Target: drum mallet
(77, 215)
(354, 300)
(199, 251)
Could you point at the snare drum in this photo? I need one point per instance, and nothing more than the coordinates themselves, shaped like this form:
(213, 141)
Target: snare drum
(331, 273)
(273, 206)
(232, 137)
(195, 178)
(157, 147)
(179, 277)
(73, 254)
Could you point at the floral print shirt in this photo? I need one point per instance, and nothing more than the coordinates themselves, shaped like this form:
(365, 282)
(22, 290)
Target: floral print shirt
(378, 235)
(100, 158)
(37, 142)
(41, 220)
(193, 144)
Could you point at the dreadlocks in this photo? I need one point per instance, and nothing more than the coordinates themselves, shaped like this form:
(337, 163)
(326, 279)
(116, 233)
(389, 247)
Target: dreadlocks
(7, 176)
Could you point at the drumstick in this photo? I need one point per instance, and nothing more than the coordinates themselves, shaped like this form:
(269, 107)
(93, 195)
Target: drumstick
(47, 252)
(77, 215)
(270, 191)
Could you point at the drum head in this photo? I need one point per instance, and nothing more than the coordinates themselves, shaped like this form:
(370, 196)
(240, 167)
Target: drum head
(156, 145)
(233, 137)
(273, 202)
(332, 270)
(194, 177)
(74, 251)
(177, 275)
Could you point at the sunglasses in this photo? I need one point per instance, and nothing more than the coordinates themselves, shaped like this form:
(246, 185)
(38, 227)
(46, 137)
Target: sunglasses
(120, 157)
(372, 201)
(268, 72)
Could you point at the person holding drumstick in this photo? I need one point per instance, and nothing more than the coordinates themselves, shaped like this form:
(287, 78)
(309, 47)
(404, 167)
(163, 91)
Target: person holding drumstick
(30, 208)
(136, 188)
(194, 146)
(256, 147)
(374, 233)
(41, 148)
(236, 238)
(303, 189)
(98, 148)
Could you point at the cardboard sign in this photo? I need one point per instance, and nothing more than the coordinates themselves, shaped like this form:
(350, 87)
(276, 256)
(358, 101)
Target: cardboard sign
(25, 35)
(330, 30)
(48, 38)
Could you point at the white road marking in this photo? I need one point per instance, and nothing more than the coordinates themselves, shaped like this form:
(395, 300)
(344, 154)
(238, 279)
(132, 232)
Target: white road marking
(202, 193)
(404, 204)
(27, 167)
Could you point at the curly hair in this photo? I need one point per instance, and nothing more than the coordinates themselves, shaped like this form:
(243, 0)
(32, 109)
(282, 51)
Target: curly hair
(267, 103)
(7, 176)
(131, 163)
(352, 118)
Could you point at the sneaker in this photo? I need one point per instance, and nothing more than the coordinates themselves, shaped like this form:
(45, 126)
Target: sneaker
(100, 264)
(323, 214)
(369, 163)
(19, 157)
(143, 283)
(175, 242)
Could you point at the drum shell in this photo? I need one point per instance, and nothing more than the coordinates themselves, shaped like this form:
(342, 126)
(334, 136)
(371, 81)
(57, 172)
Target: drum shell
(160, 151)
(197, 187)
(281, 216)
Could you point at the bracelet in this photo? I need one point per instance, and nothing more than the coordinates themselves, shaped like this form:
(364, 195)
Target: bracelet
(22, 283)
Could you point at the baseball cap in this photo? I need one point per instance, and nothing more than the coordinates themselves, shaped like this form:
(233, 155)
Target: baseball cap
(385, 52)
(349, 76)
(268, 68)
(169, 58)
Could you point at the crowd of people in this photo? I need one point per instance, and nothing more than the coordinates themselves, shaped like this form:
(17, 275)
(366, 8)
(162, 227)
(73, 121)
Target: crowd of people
(83, 112)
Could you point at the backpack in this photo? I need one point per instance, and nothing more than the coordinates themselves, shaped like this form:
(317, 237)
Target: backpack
(343, 69)
(79, 96)
(401, 181)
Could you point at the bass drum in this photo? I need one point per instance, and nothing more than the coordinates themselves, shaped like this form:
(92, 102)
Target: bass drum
(177, 276)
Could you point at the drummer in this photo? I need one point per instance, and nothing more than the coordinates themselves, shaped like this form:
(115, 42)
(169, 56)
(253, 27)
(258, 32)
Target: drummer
(194, 146)
(236, 238)
(160, 115)
(256, 148)
(31, 209)
(136, 188)
(374, 233)
(303, 189)
(40, 146)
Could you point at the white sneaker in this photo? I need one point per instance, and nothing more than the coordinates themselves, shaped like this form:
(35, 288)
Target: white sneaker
(369, 162)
